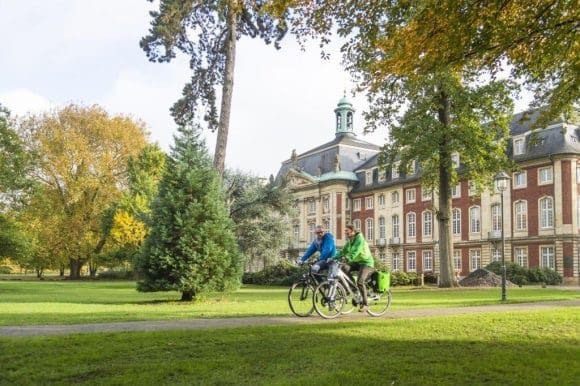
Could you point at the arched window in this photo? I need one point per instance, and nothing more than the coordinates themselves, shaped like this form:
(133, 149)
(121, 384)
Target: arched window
(427, 223)
(456, 221)
(546, 212)
(395, 198)
(382, 228)
(521, 209)
(474, 220)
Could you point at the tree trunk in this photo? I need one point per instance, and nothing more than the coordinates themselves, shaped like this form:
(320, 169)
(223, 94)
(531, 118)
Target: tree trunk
(187, 296)
(75, 268)
(61, 270)
(446, 271)
(219, 157)
(39, 273)
(93, 267)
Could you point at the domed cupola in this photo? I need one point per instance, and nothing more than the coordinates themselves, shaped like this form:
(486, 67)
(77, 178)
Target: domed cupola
(344, 117)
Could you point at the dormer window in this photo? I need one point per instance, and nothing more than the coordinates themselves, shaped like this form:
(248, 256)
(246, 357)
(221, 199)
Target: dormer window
(519, 146)
(369, 177)
(395, 171)
(455, 160)
(411, 168)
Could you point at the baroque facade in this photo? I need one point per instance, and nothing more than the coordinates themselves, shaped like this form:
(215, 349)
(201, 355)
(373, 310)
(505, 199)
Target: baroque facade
(340, 182)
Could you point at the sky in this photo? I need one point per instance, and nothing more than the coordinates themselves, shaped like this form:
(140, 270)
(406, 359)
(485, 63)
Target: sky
(87, 52)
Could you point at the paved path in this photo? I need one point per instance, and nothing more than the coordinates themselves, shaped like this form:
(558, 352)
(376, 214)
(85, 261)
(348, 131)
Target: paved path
(196, 324)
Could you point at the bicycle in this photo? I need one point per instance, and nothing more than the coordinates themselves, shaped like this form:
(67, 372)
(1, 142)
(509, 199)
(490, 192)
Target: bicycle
(301, 292)
(333, 294)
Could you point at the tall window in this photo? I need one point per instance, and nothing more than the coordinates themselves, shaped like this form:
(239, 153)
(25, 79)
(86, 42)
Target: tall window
(411, 168)
(369, 202)
(395, 170)
(546, 212)
(475, 258)
(410, 195)
(382, 228)
(457, 260)
(326, 224)
(426, 194)
(411, 261)
(411, 226)
(396, 265)
(472, 188)
(456, 191)
(548, 260)
(356, 225)
(427, 260)
(395, 198)
(382, 257)
(495, 217)
(456, 221)
(395, 221)
(382, 201)
(369, 177)
(311, 234)
(522, 256)
(296, 233)
(474, 220)
(356, 205)
(427, 223)
(520, 180)
(521, 209)
(347, 203)
(311, 206)
(519, 147)
(455, 160)
(370, 231)
(495, 254)
(546, 176)
(326, 204)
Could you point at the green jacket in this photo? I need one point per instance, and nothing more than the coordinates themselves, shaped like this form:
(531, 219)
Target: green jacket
(357, 251)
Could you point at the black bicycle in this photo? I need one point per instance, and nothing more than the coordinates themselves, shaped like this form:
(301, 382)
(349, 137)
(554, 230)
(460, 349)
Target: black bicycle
(340, 295)
(301, 293)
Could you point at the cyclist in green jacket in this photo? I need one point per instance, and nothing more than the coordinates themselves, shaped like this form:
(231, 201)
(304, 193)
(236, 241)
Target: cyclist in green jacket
(358, 258)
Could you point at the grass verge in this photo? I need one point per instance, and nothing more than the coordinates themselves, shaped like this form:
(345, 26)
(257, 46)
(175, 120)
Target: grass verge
(523, 348)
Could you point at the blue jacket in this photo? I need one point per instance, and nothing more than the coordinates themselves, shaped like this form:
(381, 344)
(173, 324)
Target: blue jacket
(325, 246)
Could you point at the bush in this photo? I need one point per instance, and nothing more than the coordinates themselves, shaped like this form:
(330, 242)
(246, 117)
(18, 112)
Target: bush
(521, 276)
(5, 270)
(282, 273)
(403, 278)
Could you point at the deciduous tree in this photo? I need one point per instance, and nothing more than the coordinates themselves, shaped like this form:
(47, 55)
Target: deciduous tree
(207, 31)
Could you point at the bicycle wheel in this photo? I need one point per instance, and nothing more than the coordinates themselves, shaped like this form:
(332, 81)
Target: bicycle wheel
(349, 304)
(329, 299)
(300, 299)
(378, 302)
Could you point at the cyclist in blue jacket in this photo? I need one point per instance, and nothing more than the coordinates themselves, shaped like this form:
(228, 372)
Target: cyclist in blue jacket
(325, 245)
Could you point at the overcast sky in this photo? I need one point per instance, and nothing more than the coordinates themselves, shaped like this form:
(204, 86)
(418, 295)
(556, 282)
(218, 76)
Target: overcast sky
(86, 51)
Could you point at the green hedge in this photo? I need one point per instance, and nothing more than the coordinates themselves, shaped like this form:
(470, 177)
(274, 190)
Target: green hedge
(521, 276)
(5, 270)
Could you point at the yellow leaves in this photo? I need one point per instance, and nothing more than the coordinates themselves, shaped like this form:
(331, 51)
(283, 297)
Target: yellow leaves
(127, 230)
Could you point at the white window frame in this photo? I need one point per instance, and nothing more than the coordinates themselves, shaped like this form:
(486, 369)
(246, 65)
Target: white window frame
(410, 196)
(427, 223)
(395, 199)
(457, 260)
(426, 194)
(545, 175)
(382, 201)
(546, 213)
(428, 260)
(411, 261)
(456, 191)
(520, 180)
(396, 261)
(357, 225)
(455, 159)
(411, 169)
(382, 228)
(474, 259)
(472, 188)
(496, 217)
(296, 233)
(519, 146)
(370, 229)
(347, 203)
(356, 203)
(311, 206)
(548, 256)
(311, 231)
(395, 171)
(396, 223)
(411, 225)
(521, 256)
(475, 223)
(368, 177)
(382, 257)
(496, 253)
(326, 204)
(521, 215)
(456, 222)
(382, 175)
(369, 202)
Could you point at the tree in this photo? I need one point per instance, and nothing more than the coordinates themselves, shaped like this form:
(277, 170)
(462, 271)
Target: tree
(207, 31)
(81, 169)
(15, 162)
(259, 210)
(432, 112)
(191, 247)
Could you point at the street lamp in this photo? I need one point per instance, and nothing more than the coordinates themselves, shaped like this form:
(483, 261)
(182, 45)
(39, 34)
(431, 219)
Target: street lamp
(501, 180)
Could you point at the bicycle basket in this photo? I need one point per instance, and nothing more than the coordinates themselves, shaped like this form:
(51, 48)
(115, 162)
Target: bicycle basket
(383, 281)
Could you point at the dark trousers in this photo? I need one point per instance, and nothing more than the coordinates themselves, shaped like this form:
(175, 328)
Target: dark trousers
(364, 271)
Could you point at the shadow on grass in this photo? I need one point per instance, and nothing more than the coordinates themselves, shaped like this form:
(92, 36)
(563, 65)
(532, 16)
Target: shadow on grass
(333, 354)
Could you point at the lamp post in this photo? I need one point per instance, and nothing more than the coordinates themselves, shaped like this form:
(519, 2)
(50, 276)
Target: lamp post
(501, 180)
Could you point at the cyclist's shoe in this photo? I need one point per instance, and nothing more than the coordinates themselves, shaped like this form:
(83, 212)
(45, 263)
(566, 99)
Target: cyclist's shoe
(363, 308)
(331, 305)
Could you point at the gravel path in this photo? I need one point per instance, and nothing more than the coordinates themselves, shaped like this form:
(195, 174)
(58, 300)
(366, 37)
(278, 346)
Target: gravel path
(197, 324)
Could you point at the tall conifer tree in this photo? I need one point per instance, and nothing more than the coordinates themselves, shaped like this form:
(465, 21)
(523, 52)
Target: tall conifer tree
(191, 247)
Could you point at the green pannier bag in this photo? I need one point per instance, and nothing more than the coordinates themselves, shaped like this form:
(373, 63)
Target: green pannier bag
(383, 281)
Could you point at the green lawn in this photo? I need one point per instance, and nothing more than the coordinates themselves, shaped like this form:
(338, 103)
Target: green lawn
(520, 348)
(66, 302)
